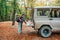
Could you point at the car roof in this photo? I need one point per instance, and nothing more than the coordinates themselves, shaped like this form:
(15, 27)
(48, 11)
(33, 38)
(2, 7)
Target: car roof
(45, 7)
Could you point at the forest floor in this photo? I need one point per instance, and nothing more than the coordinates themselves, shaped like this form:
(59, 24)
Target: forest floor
(9, 32)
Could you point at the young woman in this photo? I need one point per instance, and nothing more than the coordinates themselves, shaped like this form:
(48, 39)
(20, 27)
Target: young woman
(20, 22)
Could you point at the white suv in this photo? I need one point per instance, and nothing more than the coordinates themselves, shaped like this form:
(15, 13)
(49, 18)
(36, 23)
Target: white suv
(46, 19)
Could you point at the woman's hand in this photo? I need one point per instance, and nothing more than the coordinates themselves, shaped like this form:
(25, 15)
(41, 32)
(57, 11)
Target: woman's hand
(25, 21)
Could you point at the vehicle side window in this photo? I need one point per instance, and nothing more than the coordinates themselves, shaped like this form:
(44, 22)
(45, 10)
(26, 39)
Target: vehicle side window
(58, 13)
(54, 14)
(42, 13)
(39, 13)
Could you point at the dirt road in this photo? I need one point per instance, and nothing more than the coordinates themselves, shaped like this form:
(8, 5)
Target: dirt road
(9, 32)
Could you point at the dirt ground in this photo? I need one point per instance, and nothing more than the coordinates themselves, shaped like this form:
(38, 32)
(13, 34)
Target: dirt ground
(9, 32)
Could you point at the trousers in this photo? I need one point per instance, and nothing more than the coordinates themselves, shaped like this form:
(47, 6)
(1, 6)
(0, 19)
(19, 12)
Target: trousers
(19, 27)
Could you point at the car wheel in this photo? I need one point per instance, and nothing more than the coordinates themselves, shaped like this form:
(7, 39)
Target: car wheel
(45, 31)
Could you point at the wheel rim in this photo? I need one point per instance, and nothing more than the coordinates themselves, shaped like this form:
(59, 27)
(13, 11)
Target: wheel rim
(45, 32)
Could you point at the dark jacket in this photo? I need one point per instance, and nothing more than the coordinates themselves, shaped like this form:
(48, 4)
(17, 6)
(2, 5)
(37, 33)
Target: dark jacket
(20, 19)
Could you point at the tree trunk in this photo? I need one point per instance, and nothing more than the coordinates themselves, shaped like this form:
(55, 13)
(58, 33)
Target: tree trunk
(13, 17)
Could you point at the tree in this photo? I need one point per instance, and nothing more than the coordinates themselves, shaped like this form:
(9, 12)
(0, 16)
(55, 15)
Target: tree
(6, 9)
(30, 4)
(13, 16)
(3, 9)
(57, 3)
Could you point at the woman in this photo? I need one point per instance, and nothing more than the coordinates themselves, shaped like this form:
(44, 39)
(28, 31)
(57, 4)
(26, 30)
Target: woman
(20, 22)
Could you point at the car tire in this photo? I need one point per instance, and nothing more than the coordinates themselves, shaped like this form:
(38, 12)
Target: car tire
(45, 31)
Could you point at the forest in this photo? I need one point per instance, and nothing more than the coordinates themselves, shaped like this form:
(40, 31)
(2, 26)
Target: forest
(11, 9)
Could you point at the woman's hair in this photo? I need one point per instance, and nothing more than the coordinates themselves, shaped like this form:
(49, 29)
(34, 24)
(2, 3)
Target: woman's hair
(23, 14)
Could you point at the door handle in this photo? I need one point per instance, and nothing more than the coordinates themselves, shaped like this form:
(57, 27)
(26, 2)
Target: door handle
(50, 19)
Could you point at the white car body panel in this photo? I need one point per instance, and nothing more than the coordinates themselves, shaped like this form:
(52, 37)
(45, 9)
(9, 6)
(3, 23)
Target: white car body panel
(45, 20)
